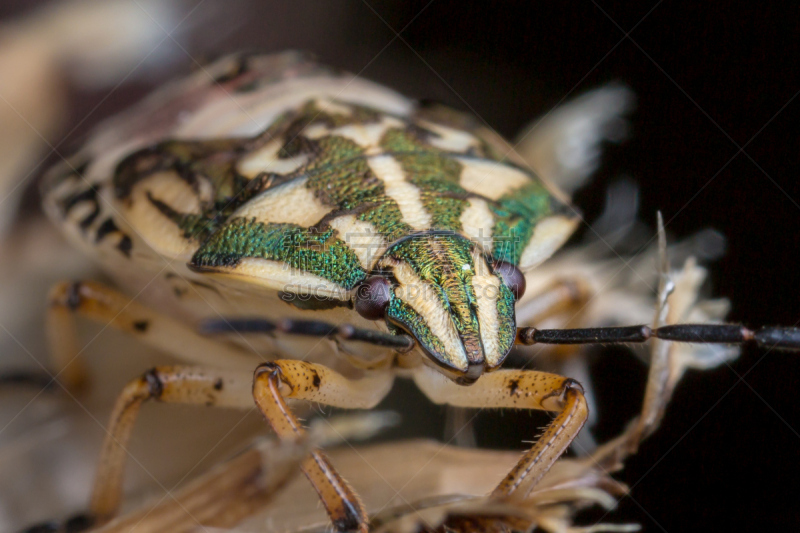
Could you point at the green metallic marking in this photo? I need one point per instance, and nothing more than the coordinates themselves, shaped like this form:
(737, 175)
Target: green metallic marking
(358, 115)
(507, 324)
(333, 149)
(439, 261)
(214, 161)
(340, 176)
(317, 252)
(488, 151)
(194, 227)
(434, 172)
(516, 215)
(311, 114)
(412, 321)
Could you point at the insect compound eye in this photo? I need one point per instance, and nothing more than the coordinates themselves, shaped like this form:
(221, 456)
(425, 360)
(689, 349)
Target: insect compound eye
(372, 297)
(513, 278)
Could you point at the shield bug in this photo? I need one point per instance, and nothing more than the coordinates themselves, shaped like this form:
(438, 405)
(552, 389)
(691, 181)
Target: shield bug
(338, 235)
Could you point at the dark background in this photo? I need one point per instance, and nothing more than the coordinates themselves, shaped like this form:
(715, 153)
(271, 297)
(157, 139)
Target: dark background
(715, 143)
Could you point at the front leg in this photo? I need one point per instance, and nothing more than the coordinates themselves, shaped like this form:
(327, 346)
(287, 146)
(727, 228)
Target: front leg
(278, 380)
(523, 389)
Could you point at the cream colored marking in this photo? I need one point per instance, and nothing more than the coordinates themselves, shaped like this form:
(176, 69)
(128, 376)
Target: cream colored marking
(333, 108)
(361, 237)
(80, 211)
(69, 185)
(276, 275)
(364, 135)
(487, 290)
(205, 190)
(316, 131)
(450, 139)
(420, 297)
(401, 191)
(477, 222)
(266, 160)
(158, 231)
(169, 188)
(368, 135)
(548, 236)
(291, 203)
(490, 179)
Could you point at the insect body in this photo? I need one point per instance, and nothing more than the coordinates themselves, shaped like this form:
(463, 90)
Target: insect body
(270, 187)
(332, 187)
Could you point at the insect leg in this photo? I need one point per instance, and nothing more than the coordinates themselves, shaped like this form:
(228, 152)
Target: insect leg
(106, 305)
(522, 389)
(787, 338)
(171, 384)
(278, 380)
(564, 297)
(563, 302)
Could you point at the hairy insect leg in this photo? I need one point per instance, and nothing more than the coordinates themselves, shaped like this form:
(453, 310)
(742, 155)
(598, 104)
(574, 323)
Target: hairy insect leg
(171, 384)
(521, 389)
(276, 381)
(106, 305)
(565, 300)
(565, 297)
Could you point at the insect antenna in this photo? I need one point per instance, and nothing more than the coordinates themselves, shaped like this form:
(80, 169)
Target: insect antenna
(786, 338)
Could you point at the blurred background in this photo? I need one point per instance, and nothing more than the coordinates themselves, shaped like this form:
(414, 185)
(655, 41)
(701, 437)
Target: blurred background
(714, 142)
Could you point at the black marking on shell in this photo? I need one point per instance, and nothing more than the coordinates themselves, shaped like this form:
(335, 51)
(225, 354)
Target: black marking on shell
(136, 167)
(107, 227)
(125, 245)
(86, 195)
(89, 219)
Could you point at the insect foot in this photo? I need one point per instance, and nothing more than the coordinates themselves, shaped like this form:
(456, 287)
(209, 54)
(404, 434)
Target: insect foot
(558, 398)
(275, 381)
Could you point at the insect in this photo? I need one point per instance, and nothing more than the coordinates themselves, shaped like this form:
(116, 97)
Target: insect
(334, 235)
